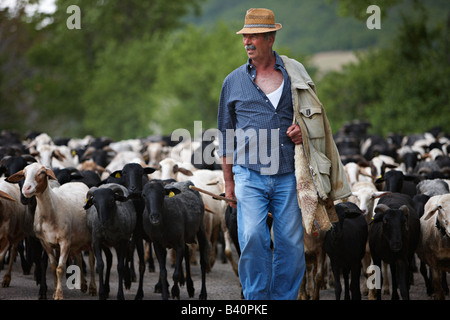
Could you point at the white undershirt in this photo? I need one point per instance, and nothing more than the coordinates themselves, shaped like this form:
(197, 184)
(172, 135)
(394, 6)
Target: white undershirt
(275, 96)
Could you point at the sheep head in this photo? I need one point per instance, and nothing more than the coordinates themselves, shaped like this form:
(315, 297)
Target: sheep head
(36, 179)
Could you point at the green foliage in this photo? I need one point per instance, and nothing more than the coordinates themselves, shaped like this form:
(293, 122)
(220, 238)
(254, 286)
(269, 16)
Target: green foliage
(404, 88)
(136, 69)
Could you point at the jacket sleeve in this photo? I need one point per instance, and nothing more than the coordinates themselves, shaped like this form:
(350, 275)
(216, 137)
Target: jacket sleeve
(340, 187)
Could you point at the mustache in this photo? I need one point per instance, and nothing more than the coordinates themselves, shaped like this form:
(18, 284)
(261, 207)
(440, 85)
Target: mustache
(250, 47)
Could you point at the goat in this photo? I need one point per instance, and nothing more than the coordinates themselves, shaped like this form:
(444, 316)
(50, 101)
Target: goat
(173, 217)
(59, 221)
(393, 237)
(345, 244)
(111, 220)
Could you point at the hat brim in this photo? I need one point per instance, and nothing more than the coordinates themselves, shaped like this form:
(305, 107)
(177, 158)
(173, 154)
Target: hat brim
(244, 30)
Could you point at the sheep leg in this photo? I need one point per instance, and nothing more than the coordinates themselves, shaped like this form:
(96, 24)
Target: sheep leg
(436, 275)
(403, 278)
(394, 277)
(346, 273)
(92, 285)
(102, 292)
(7, 277)
(228, 253)
(24, 256)
(140, 252)
(204, 260)
(386, 279)
(365, 264)
(354, 285)
(189, 282)
(377, 262)
(121, 250)
(79, 261)
(177, 277)
(43, 263)
(108, 256)
(60, 270)
(337, 281)
(318, 279)
(161, 255)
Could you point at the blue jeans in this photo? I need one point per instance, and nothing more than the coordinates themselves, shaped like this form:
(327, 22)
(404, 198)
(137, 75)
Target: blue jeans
(267, 275)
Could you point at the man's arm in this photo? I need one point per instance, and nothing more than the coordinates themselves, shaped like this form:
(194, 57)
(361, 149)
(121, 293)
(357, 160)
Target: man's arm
(227, 168)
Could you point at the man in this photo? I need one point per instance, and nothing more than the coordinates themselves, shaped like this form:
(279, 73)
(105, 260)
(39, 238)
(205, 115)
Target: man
(259, 141)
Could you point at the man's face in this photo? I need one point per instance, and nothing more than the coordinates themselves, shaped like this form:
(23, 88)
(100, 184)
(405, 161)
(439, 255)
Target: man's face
(256, 45)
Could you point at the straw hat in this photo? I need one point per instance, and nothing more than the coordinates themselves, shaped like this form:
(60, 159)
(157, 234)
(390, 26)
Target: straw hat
(259, 20)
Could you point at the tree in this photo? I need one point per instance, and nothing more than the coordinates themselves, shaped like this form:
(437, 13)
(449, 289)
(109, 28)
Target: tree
(395, 86)
(81, 73)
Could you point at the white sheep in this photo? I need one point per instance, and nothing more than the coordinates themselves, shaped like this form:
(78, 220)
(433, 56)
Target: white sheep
(59, 221)
(434, 243)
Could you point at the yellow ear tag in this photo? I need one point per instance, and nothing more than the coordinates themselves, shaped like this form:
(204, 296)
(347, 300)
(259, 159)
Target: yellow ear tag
(171, 194)
(117, 175)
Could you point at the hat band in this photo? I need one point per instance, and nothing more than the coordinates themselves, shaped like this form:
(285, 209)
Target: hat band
(259, 26)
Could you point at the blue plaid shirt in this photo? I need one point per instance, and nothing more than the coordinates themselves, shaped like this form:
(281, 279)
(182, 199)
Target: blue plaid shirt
(252, 130)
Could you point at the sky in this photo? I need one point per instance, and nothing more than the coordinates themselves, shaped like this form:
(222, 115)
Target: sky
(45, 6)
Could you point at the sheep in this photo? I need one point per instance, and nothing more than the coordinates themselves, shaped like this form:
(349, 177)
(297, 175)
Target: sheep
(393, 237)
(15, 224)
(432, 187)
(111, 218)
(59, 221)
(173, 217)
(13, 164)
(345, 244)
(133, 177)
(434, 245)
(315, 263)
(210, 180)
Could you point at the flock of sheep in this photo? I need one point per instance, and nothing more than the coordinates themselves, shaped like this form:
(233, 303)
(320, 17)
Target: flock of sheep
(64, 197)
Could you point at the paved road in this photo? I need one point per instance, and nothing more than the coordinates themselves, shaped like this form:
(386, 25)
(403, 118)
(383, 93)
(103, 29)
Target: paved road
(222, 284)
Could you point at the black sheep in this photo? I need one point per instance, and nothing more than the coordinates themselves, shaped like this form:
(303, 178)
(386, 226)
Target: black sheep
(345, 244)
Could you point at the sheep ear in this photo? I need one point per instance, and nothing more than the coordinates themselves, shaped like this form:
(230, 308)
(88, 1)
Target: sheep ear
(172, 191)
(379, 212)
(185, 171)
(116, 174)
(149, 170)
(405, 210)
(120, 198)
(88, 203)
(379, 194)
(6, 196)
(50, 173)
(430, 213)
(89, 197)
(16, 177)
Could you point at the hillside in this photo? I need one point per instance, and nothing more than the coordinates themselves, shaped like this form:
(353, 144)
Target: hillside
(311, 26)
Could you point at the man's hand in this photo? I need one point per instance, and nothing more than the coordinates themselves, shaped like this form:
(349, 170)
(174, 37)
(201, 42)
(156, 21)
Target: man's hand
(229, 192)
(295, 133)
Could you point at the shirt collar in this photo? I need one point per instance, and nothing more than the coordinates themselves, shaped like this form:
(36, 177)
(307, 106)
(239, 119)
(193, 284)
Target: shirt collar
(278, 63)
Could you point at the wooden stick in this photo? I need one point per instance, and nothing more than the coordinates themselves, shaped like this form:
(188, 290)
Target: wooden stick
(215, 196)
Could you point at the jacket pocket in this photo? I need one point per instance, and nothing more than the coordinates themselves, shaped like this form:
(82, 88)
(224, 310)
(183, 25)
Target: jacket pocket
(321, 169)
(313, 119)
